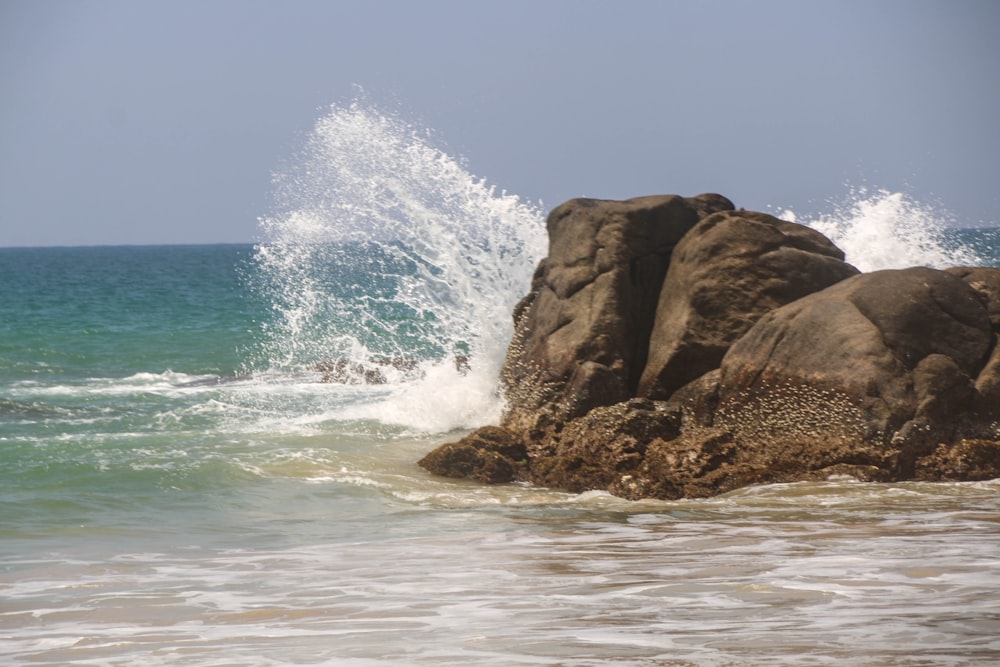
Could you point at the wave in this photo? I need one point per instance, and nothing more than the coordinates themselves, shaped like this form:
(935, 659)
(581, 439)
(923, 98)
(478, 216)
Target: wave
(389, 263)
(879, 229)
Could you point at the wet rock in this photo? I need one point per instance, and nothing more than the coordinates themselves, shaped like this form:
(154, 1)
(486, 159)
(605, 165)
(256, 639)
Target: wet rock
(967, 461)
(345, 371)
(597, 449)
(490, 454)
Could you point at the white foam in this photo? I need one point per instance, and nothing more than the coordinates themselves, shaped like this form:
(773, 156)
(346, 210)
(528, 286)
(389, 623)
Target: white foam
(442, 400)
(878, 229)
(388, 248)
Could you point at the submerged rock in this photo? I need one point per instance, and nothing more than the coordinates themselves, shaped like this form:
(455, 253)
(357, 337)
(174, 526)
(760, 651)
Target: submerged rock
(675, 347)
(343, 370)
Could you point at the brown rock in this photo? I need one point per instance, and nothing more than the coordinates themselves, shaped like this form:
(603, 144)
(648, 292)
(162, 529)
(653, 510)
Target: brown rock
(780, 365)
(490, 454)
(860, 361)
(582, 333)
(967, 461)
(597, 449)
(729, 270)
(986, 282)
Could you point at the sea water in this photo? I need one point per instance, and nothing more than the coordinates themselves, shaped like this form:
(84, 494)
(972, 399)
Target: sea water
(184, 480)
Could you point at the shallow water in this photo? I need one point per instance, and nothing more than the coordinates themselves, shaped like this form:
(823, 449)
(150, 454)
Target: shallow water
(393, 567)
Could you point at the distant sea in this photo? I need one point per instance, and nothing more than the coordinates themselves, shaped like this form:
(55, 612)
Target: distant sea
(184, 480)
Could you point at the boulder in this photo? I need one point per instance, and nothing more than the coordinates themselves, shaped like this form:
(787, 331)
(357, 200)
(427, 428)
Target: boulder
(728, 271)
(581, 334)
(887, 358)
(986, 282)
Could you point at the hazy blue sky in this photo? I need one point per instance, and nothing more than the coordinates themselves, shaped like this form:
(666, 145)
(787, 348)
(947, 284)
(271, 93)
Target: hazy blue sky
(162, 122)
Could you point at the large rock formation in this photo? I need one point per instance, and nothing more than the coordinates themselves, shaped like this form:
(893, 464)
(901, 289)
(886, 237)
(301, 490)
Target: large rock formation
(675, 347)
(581, 334)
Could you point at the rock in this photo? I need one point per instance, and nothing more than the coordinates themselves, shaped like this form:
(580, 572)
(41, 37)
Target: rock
(707, 461)
(886, 358)
(674, 348)
(346, 371)
(728, 271)
(986, 282)
(597, 449)
(582, 333)
(967, 461)
(342, 370)
(690, 466)
(490, 454)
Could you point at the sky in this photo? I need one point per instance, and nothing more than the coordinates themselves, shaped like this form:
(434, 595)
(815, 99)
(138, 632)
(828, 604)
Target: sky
(151, 122)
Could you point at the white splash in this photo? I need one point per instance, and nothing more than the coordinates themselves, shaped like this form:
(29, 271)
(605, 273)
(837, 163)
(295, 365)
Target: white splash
(879, 229)
(389, 254)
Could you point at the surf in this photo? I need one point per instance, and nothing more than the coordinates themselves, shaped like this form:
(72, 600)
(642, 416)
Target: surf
(244, 507)
(389, 260)
(880, 229)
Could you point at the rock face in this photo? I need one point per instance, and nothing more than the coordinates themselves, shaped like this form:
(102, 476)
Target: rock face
(490, 454)
(675, 347)
(598, 449)
(902, 348)
(724, 275)
(986, 282)
(581, 333)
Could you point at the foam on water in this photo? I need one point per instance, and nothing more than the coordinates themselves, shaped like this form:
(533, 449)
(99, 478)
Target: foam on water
(742, 579)
(388, 254)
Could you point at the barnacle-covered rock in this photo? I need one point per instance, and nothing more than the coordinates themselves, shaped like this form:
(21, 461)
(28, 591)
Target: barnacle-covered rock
(902, 347)
(659, 356)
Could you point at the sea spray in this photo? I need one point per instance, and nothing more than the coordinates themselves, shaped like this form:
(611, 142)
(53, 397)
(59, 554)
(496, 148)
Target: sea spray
(388, 262)
(878, 229)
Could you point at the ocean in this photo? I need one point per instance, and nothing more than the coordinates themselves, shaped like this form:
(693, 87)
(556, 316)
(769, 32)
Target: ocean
(208, 457)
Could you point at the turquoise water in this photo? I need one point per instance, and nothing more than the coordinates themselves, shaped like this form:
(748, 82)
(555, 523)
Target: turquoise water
(180, 485)
(116, 310)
